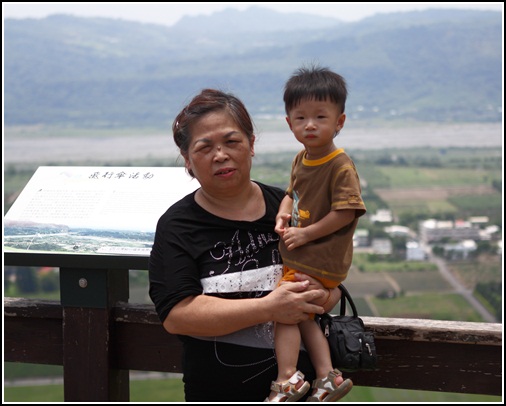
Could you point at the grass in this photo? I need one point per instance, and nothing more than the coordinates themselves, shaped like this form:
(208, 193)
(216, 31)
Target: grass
(39, 394)
(171, 390)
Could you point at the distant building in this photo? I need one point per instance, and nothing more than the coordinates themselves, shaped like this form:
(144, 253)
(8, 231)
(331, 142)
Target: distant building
(382, 216)
(460, 250)
(434, 230)
(381, 246)
(479, 220)
(488, 232)
(414, 252)
(361, 238)
(398, 231)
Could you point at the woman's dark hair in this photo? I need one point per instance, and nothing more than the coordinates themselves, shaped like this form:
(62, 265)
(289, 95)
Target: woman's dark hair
(207, 101)
(315, 83)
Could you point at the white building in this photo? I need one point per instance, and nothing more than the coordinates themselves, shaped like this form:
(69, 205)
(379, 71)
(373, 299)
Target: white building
(361, 238)
(398, 231)
(434, 230)
(382, 216)
(460, 250)
(381, 246)
(414, 252)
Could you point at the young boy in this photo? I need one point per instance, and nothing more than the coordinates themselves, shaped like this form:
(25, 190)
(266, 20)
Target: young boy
(316, 222)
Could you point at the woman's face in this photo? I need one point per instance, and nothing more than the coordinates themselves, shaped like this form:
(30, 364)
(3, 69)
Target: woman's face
(219, 154)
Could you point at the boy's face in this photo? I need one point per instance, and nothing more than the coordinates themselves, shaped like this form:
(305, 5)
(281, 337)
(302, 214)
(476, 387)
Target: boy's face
(314, 123)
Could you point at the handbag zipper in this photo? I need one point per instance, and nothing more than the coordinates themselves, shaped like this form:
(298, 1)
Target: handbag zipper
(368, 348)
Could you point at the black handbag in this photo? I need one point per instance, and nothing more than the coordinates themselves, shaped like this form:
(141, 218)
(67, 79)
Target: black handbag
(351, 347)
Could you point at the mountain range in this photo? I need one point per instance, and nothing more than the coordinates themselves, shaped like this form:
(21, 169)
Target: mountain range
(433, 65)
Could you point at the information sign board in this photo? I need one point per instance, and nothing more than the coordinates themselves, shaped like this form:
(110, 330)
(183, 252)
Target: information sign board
(93, 210)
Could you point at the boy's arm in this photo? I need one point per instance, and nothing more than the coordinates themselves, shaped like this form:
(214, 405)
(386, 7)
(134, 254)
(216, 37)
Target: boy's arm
(284, 215)
(335, 220)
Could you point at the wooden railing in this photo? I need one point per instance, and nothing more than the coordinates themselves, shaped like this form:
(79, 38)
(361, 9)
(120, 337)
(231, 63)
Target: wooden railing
(97, 336)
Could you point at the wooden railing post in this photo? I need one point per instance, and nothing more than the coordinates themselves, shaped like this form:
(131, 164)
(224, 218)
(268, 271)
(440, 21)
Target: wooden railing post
(87, 298)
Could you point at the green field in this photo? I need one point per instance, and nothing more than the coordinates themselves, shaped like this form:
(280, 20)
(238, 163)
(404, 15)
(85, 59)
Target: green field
(364, 263)
(408, 177)
(434, 306)
(471, 272)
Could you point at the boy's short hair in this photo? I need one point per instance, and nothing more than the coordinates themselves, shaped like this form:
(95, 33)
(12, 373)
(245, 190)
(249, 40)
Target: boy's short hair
(315, 83)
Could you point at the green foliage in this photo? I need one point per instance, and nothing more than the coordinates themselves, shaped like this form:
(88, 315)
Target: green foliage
(368, 170)
(491, 292)
(26, 280)
(483, 202)
(497, 184)
(50, 282)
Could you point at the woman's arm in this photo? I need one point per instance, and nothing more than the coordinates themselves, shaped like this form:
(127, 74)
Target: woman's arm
(205, 315)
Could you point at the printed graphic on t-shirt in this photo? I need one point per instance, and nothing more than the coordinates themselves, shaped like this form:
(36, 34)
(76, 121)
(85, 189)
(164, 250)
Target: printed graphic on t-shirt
(234, 266)
(298, 214)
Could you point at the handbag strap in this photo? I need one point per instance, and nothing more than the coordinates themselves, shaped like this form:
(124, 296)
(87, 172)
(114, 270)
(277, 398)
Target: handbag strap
(345, 296)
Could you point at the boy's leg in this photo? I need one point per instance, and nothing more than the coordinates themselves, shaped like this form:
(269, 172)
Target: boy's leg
(319, 353)
(287, 345)
(318, 349)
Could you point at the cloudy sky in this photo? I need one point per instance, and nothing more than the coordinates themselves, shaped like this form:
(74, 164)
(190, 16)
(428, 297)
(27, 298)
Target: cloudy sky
(168, 13)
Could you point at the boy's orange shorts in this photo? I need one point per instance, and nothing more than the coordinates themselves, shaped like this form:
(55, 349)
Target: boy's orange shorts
(289, 275)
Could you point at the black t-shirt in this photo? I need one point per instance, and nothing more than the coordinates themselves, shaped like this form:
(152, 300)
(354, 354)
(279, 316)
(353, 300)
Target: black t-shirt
(196, 252)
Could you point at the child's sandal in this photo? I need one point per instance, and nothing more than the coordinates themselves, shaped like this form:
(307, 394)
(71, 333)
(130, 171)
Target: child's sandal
(327, 390)
(287, 391)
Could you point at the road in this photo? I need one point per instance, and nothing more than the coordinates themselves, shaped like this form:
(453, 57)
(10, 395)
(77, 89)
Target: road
(459, 288)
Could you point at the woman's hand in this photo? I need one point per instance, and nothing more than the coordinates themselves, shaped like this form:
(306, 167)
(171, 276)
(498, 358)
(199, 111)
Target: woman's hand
(292, 302)
(329, 299)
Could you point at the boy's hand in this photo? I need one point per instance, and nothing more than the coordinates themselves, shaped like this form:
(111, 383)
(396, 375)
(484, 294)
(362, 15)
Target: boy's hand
(295, 237)
(282, 223)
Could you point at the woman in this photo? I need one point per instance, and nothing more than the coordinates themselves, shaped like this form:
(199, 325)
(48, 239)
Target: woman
(217, 245)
